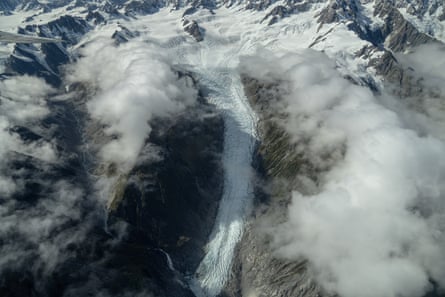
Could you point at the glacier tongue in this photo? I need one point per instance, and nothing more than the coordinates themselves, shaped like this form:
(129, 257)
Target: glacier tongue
(214, 62)
(227, 94)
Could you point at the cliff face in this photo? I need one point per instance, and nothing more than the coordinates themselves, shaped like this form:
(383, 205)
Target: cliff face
(174, 201)
(284, 166)
(166, 206)
(151, 235)
(160, 213)
(257, 271)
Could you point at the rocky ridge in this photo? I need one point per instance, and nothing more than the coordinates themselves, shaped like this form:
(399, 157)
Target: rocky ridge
(385, 26)
(179, 192)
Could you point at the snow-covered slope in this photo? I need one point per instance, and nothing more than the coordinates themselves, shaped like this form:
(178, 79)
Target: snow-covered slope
(208, 38)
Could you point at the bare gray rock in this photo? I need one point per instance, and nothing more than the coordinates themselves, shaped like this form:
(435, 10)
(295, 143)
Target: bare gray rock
(192, 28)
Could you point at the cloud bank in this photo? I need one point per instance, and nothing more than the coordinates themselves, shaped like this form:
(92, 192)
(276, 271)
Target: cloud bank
(22, 101)
(134, 84)
(52, 224)
(375, 226)
(36, 202)
(423, 112)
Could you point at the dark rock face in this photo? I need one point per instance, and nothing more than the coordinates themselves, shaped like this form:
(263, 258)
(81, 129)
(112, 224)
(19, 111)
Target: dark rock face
(396, 34)
(277, 13)
(399, 32)
(192, 28)
(41, 182)
(46, 60)
(7, 5)
(255, 265)
(281, 11)
(68, 28)
(95, 17)
(27, 59)
(167, 206)
(143, 7)
(123, 35)
(174, 201)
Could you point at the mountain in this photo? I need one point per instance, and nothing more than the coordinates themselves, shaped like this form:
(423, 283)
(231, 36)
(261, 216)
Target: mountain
(223, 148)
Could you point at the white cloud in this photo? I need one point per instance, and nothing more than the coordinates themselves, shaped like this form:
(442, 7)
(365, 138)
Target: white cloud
(24, 98)
(31, 226)
(22, 101)
(424, 112)
(376, 225)
(134, 85)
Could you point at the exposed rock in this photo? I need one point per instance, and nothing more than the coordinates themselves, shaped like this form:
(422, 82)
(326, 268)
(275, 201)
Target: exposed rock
(95, 17)
(441, 17)
(192, 28)
(46, 60)
(399, 34)
(143, 7)
(174, 200)
(123, 35)
(256, 269)
(68, 28)
(27, 59)
(278, 12)
(281, 11)
(7, 5)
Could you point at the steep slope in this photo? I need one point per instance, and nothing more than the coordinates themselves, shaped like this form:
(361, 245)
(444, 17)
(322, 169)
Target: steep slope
(169, 200)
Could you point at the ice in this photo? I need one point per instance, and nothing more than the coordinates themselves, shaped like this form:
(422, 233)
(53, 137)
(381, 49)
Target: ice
(214, 61)
(230, 33)
(239, 142)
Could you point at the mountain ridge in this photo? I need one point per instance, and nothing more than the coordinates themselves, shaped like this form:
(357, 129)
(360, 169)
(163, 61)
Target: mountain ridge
(183, 147)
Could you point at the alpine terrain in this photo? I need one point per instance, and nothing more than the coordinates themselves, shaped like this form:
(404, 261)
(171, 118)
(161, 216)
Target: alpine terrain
(257, 148)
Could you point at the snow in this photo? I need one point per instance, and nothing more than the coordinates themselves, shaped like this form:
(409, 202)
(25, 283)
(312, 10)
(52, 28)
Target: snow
(11, 23)
(429, 24)
(215, 62)
(368, 11)
(230, 33)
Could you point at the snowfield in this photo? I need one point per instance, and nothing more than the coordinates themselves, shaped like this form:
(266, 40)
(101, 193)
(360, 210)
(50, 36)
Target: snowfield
(230, 33)
(215, 62)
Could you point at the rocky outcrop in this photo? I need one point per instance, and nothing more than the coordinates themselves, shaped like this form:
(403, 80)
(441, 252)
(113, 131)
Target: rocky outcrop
(398, 33)
(394, 34)
(143, 7)
(123, 35)
(7, 5)
(257, 270)
(46, 60)
(95, 17)
(174, 200)
(163, 208)
(281, 11)
(192, 28)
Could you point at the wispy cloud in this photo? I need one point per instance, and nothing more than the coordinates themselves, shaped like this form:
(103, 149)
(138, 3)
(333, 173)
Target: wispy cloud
(375, 226)
(135, 84)
(33, 207)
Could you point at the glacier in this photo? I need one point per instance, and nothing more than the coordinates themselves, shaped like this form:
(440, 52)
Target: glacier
(229, 34)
